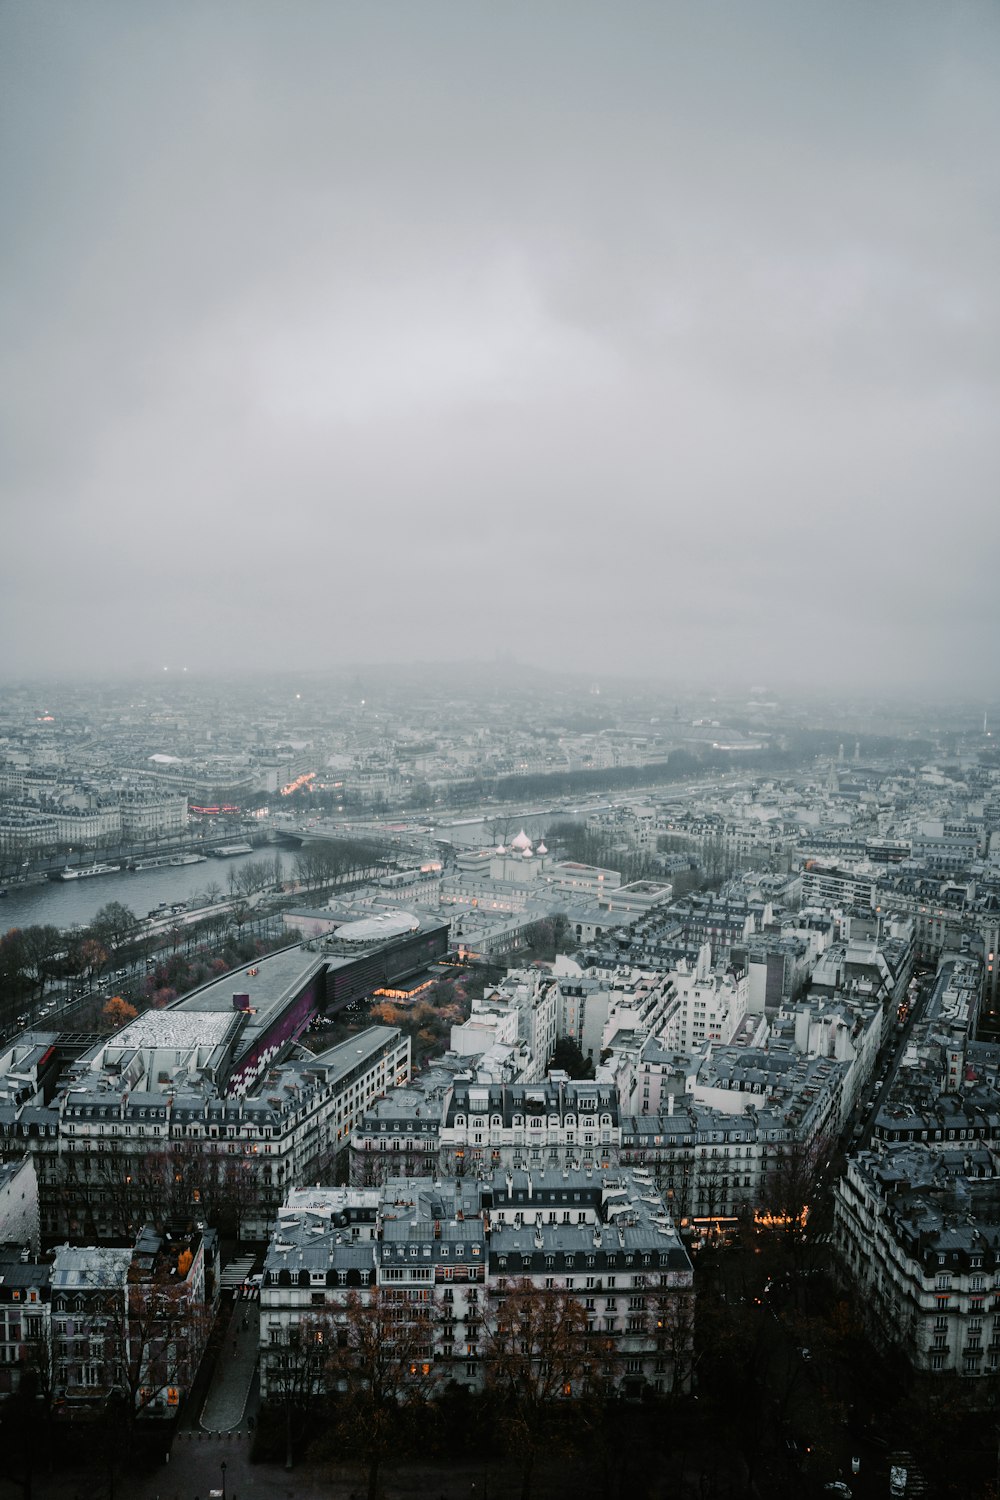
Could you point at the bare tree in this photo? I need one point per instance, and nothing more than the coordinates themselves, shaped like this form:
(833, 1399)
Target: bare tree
(369, 1168)
(385, 1364)
(300, 1375)
(232, 1189)
(537, 1351)
(158, 1339)
(40, 947)
(671, 1326)
(793, 1204)
(114, 925)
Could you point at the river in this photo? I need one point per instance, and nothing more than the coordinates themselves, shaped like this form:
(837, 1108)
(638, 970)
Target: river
(70, 903)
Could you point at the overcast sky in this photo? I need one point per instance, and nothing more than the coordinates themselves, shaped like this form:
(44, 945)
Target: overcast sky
(621, 337)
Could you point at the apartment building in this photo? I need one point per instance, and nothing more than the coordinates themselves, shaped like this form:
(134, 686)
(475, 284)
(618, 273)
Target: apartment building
(25, 1322)
(451, 1250)
(140, 1127)
(917, 1233)
(454, 1127)
(129, 1323)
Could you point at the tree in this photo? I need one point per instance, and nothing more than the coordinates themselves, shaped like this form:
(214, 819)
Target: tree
(793, 1203)
(114, 925)
(26, 1415)
(300, 1376)
(92, 957)
(161, 1333)
(117, 1013)
(538, 1350)
(14, 961)
(385, 1364)
(231, 1190)
(567, 1055)
(41, 946)
(671, 1325)
(240, 912)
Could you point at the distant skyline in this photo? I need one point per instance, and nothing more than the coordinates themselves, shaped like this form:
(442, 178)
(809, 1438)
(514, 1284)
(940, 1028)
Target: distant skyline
(654, 340)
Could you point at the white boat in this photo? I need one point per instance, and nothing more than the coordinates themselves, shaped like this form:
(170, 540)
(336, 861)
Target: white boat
(84, 872)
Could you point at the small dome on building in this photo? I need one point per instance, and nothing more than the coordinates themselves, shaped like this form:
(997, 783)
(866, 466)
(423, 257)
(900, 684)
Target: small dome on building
(522, 841)
(541, 849)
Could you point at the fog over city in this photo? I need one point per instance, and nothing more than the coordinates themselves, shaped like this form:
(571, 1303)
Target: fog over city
(635, 339)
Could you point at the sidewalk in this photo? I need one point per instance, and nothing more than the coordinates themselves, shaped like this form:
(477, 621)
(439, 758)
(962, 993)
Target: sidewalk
(233, 1378)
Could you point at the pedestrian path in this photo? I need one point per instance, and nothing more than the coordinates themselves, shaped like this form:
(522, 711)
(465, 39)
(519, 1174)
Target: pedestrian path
(236, 1273)
(227, 1396)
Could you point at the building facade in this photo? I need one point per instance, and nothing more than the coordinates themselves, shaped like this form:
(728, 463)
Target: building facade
(455, 1249)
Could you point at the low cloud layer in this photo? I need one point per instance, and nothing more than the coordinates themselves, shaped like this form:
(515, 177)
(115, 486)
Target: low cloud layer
(646, 338)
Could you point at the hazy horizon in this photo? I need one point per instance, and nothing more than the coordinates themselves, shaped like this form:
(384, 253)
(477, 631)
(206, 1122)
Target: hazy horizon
(654, 341)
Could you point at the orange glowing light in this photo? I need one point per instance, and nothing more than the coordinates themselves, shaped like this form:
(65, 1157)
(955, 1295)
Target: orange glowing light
(300, 781)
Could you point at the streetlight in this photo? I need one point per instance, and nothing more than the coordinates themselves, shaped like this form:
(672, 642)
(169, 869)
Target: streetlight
(223, 1467)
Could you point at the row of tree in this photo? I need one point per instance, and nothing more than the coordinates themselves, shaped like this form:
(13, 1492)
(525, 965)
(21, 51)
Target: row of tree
(340, 862)
(32, 957)
(366, 1371)
(254, 878)
(110, 1194)
(600, 847)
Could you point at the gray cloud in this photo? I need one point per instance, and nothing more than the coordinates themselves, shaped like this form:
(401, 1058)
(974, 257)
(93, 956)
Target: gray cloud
(634, 338)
